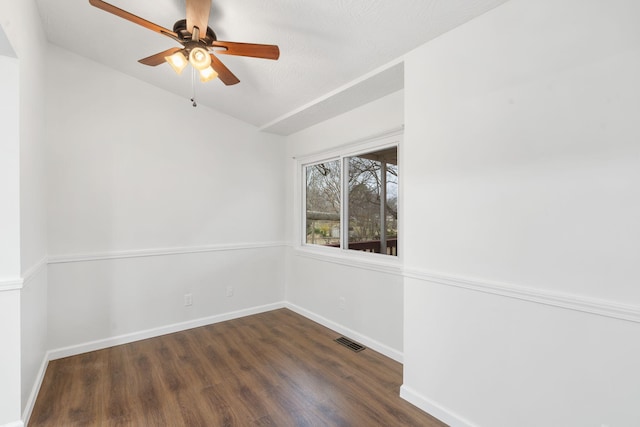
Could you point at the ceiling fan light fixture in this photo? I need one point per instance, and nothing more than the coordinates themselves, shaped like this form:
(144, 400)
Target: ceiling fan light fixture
(199, 58)
(207, 74)
(195, 49)
(177, 61)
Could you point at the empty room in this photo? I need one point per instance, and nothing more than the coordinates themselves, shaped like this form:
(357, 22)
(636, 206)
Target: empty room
(354, 213)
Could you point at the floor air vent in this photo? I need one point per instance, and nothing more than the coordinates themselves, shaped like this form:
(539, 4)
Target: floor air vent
(350, 344)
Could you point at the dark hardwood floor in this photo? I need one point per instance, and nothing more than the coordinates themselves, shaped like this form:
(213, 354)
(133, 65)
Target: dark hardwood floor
(270, 369)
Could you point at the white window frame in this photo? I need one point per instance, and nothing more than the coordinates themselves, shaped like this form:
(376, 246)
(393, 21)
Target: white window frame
(342, 153)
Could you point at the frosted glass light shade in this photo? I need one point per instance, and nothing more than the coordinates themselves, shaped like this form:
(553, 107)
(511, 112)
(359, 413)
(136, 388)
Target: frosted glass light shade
(199, 58)
(177, 61)
(207, 74)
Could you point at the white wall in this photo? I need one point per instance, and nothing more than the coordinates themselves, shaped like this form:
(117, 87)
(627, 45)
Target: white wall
(120, 300)
(33, 213)
(521, 169)
(9, 170)
(33, 329)
(21, 23)
(9, 242)
(10, 356)
(132, 167)
(150, 199)
(315, 282)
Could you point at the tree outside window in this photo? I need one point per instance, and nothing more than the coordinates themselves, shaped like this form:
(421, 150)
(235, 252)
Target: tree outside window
(323, 203)
(369, 202)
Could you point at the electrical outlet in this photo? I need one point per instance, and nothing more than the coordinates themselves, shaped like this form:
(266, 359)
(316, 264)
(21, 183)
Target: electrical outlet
(342, 303)
(188, 300)
(229, 291)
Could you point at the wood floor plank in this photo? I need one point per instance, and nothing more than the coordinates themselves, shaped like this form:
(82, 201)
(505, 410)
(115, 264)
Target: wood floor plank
(270, 369)
(57, 379)
(116, 404)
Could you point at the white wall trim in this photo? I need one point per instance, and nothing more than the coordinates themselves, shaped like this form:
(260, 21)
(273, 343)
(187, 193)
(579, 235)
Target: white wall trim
(438, 411)
(14, 424)
(11, 284)
(556, 299)
(136, 253)
(362, 339)
(35, 269)
(19, 283)
(371, 142)
(155, 332)
(31, 401)
(341, 257)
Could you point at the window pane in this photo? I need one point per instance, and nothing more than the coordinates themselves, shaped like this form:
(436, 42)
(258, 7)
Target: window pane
(323, 204)
(373, 202)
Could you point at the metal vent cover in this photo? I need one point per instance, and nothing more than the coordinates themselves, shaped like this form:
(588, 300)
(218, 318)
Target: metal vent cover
(350, 344)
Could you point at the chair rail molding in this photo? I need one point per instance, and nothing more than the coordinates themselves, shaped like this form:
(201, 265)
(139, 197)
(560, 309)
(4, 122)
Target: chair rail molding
(149, 252)
(11, 284)
(556, 299)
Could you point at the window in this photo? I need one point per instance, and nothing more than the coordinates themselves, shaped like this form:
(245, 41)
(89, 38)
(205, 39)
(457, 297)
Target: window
(351, 202)
(323, 203)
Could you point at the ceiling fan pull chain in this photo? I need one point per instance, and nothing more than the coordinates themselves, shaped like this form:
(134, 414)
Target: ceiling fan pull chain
(193, 87)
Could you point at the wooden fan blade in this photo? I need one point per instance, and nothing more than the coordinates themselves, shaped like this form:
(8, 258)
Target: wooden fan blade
(158, 58)
(266, 51)
(133, 18)
(224, 73)
(198, 15)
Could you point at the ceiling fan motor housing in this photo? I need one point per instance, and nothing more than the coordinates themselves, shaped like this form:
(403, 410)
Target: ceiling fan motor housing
(180, 28)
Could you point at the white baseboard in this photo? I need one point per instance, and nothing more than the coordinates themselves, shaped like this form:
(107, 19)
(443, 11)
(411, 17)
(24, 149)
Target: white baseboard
(432, 408)
(31, 401)
(155, 332)
(362, 339)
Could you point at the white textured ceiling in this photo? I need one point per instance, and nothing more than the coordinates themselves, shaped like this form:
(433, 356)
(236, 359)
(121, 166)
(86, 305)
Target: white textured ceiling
(326, 47)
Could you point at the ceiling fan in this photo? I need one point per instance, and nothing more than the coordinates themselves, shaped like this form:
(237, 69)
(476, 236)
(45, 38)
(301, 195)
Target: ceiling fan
(198, 42)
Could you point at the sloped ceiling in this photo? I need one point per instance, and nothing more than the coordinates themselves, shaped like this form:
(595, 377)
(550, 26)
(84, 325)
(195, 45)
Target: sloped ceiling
(334, 54)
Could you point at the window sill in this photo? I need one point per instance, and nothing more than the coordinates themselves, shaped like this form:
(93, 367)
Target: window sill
(364, 260)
